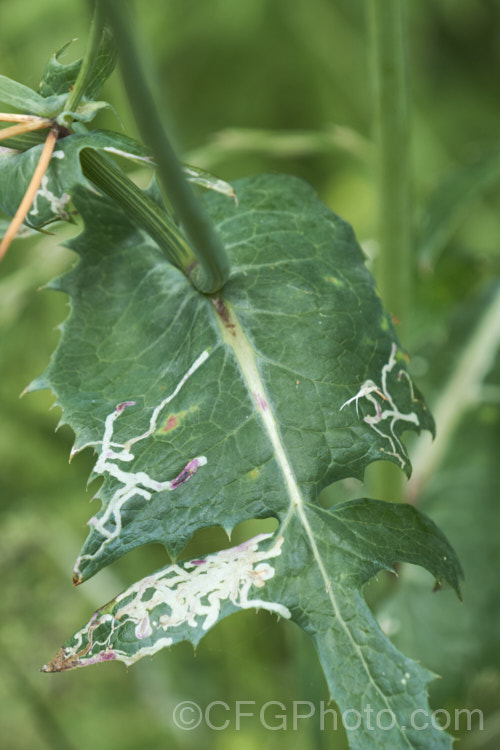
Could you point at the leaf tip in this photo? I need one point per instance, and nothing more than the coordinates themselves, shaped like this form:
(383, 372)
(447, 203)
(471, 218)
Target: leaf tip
(77, 578)
(54, 285)
(38, 384)
(61, 663)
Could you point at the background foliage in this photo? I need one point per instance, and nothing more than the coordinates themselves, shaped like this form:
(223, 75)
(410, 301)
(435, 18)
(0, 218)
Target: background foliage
(301, 66)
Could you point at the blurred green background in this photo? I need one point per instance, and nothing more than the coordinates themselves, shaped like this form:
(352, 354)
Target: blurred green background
(256, 86)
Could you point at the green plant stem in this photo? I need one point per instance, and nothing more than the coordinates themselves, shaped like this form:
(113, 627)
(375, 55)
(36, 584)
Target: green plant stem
(211, 267)
(394, 262)
(88, 63)
(139, 206)
(388, 43)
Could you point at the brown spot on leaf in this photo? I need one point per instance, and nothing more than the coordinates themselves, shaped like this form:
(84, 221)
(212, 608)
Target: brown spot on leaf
(77, 579)
(61, 663)
(170, 424)
(223, 313)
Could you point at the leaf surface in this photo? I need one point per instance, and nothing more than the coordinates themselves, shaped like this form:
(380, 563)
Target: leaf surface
(210, 410)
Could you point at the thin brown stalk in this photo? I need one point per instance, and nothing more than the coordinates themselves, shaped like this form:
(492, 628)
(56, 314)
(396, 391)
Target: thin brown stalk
(23, 127)
(10, 117)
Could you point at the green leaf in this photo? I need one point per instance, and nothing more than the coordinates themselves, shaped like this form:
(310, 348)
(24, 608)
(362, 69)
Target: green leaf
(313, 381)
(350, 544)
(207, 181)
(58, 78)
(210, 410)
(104, 65)
(85, 112)
(24, 100)
(57, 82)
(312, 572)
(63, 175)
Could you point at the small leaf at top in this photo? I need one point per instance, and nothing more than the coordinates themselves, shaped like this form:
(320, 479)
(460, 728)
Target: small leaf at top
(58, 78)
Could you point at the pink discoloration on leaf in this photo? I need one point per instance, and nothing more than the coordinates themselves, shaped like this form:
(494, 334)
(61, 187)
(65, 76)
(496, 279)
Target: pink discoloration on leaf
(223, 313)
(121, 407)
(109, 656)
(143, 629)
(186, 473)
(260, 401)
(105, 656)
(171, 423)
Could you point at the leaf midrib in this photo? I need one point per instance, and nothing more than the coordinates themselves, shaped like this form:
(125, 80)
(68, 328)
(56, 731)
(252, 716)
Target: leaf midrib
(235, 338)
